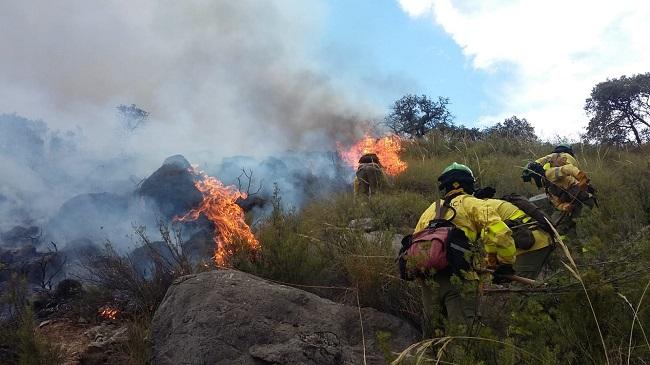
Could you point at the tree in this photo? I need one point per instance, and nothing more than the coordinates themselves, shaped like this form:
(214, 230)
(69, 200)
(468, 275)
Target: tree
(414, 115)
(452, 132)
(620, 110)
(513, 127)
(132, 116)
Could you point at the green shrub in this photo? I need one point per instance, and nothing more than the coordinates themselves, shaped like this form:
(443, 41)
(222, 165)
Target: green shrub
(32, 350)
(315, 246)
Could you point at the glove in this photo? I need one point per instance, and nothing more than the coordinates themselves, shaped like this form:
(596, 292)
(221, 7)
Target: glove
(498, 274)
(485, 193)
(583, 181)
(491, 261)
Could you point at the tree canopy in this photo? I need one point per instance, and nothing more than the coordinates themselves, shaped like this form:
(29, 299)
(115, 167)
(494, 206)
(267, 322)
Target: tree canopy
(414, 115)
(513, 127)
(620, 110)
(132, 116)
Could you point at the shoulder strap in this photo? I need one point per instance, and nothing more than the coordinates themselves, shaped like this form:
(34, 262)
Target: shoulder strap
(441, 209)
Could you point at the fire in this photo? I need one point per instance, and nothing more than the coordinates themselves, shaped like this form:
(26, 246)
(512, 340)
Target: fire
(219, 205)
(387, 149)
(109, 313)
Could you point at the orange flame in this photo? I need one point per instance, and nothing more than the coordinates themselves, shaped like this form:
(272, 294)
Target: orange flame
(109, 313)
(219, 205)
(387, 149)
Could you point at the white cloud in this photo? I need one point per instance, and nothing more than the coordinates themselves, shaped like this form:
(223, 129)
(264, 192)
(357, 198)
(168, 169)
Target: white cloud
(553, 52)
(416, 7)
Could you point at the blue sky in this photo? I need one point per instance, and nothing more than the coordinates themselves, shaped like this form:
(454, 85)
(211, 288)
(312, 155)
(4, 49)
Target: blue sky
(396, 54)
(545, 56)
(495, 59)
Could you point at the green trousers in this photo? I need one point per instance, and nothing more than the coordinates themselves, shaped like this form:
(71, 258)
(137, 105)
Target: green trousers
(459, 310)
(530, 264)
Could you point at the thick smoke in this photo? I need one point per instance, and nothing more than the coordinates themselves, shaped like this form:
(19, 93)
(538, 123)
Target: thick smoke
(219, 78)
(225, 76)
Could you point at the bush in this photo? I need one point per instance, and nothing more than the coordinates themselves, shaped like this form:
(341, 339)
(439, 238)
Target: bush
(115, 273)
(315, 246)
(19, 343)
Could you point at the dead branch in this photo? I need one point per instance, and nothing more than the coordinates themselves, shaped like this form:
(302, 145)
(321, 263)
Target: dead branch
(248, 175)
(49, 269)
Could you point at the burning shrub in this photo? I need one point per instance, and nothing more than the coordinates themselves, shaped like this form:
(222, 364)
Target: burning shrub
(232, 234)
(142, 289)
(386, 148)
(109, 312)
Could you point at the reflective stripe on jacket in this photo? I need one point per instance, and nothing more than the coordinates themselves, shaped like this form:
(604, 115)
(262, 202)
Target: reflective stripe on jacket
(561, 170)
(557, 160)
(508, 211)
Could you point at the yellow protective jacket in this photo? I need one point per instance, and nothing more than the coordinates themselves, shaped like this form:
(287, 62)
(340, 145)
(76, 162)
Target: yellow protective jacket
(369, 179)
(508, 211)
(558, 159)
(562, 170)
(480, 222)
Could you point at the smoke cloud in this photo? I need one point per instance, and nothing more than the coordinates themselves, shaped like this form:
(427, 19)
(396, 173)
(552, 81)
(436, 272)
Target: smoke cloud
(219, 78)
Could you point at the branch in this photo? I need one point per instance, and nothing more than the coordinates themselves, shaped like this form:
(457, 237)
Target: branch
(249, 177)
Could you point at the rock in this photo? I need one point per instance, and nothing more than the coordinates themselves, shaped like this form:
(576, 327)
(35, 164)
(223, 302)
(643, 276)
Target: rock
(106, 334)
(172, 187)
(68, 288)
(383, 236)
(93, 216)
(251, 202)
(106, 343)
(78, 344)
(364, 224)
(27, 261)
(230, 317)
(44, 323)
(396, 243)
(19, 236)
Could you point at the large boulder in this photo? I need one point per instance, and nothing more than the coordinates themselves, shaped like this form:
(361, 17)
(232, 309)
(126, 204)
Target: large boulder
(230, 317)
(172, 187)
(19, 236)
(94, 216)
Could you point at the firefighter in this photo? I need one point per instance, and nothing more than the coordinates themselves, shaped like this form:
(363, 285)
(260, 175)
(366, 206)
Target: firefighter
(480, 223)
(531, 230)
(370, 177)
(533, 239)
(567, 187)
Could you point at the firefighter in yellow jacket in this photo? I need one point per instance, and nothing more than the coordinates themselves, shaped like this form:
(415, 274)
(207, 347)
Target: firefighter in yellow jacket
(370, 177)
(480, 223)
(566, 186)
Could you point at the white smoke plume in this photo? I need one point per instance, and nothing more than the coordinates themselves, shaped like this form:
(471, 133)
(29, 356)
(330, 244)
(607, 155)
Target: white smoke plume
(219, 78)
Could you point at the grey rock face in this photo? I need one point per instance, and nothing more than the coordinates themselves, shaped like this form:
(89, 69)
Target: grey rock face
(229, 317)
(172, 188)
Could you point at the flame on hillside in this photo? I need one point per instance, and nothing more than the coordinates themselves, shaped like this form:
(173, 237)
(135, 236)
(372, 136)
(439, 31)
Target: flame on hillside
(219, 205)
(109, 313)
(386, 148)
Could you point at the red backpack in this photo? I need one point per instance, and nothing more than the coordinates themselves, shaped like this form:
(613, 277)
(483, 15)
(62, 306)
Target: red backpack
(441, 247)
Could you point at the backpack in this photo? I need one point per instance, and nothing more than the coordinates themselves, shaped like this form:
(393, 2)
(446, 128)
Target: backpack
(530, 209)
(439, 248)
